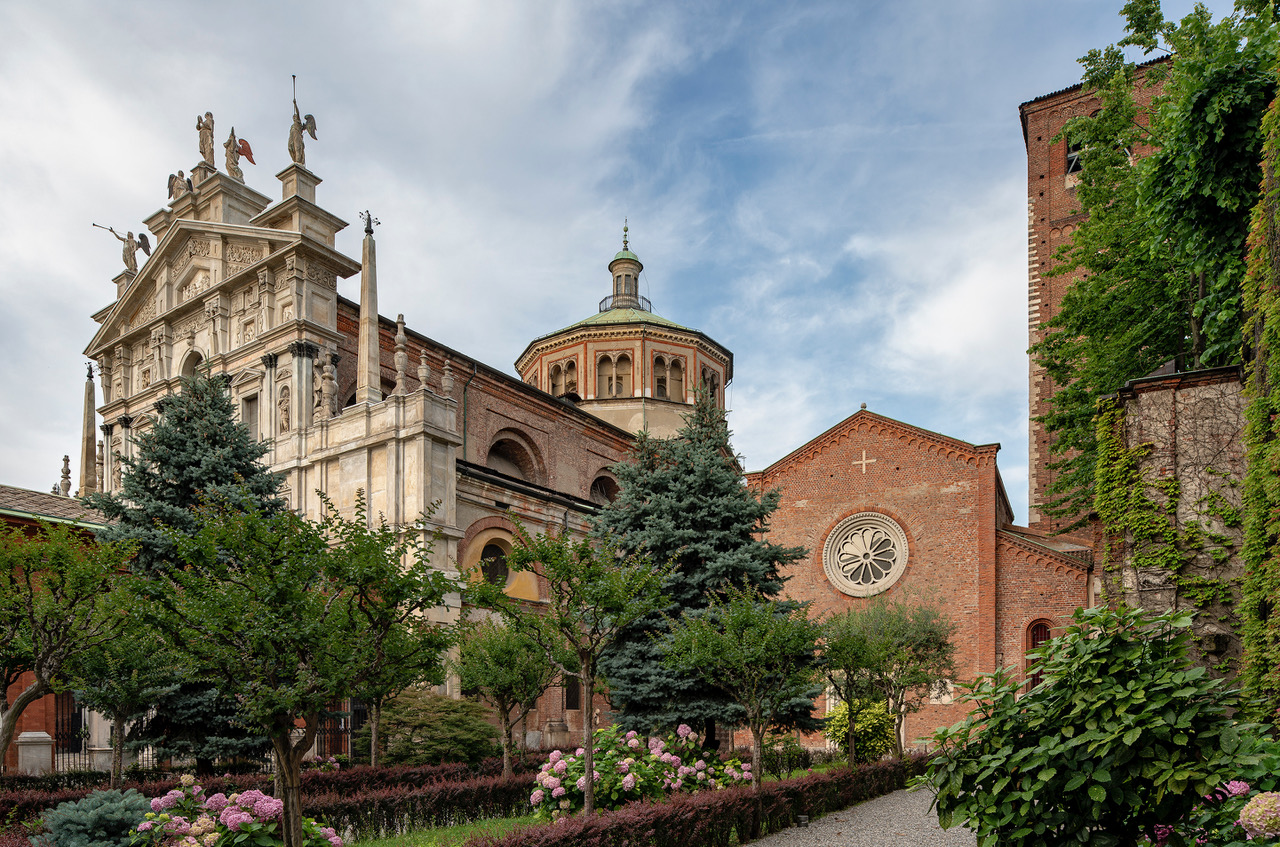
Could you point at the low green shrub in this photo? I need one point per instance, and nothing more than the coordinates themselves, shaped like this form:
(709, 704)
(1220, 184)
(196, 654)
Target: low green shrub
(103, 819)
(872, 729)
(420, 728)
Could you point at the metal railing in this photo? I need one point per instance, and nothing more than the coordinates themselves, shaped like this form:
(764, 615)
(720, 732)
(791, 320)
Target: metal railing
(626, 301)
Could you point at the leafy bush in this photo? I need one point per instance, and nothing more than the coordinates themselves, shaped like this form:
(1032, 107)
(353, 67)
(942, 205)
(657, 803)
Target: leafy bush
(103, 819)
(420, 728)
(185, 817)
(715, 818)
(782, 755)
(627, 768)
(873, 729)
(1122, 735)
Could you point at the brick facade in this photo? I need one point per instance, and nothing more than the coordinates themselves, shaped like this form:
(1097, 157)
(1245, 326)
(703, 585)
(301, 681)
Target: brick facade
(964, 554)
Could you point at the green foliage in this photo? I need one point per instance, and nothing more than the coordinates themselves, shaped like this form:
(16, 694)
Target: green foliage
(1260, 630)
(758, 653)
(874, 729)
(194, 720)
(683, 500)
(894, 652)
(103, 819)
(194, 451)
(122, 679)
(57, 599)
(289, 616)
(1159, 261)
(421, 728)
(594, 592)
(1122, 734)
(506, 668)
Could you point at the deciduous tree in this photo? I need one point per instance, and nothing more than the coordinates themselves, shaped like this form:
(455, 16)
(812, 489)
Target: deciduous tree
(594, 591)
(758, 653)
(684, 500)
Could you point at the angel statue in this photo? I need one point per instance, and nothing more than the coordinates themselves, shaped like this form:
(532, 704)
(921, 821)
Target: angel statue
(205, 127)
(297, 151)
(178, 184)
(237, 147)
(130, 250)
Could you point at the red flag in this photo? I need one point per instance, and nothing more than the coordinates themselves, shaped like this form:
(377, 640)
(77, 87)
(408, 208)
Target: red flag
(246, 151)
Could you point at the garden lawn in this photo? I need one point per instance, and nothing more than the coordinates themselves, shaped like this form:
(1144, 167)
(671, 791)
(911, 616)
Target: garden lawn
(450, 836)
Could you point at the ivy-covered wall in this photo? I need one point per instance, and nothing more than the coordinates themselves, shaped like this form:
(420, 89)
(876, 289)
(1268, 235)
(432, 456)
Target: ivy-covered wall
(1169, 495)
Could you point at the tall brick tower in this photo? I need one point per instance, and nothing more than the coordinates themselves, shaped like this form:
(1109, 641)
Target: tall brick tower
(1053, 214)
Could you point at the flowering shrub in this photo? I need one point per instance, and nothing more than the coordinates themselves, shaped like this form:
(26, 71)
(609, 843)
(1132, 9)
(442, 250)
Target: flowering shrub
(1260, 817)
(629, 768)
(185, 817)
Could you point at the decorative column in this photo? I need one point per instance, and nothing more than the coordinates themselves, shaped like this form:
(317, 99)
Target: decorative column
(267, 403)
(88, 452)
(369, 361)
(304, 384)
(108, 458)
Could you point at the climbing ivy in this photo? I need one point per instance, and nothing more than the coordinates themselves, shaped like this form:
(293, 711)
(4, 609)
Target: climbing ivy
(1260, 629)
(1139, 517)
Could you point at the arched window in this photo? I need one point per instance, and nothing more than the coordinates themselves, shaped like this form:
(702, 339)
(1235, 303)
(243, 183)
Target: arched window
(604, 377)
(623, 380)
(675, 381)
(660, 378)
(493, 564)
(1037, 634)
(570, 377)
(557, 381)
(189, 364)
(603, 491)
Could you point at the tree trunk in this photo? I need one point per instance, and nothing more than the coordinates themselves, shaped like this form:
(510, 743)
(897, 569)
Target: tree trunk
(757, 754)
(588, 681)
(852, 735)
(288, 754)
(117, 750)
(507, 723)
(375, 718)
(9, 722)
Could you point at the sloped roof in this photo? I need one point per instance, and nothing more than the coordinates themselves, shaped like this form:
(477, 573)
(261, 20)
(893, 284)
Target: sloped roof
(24, 503)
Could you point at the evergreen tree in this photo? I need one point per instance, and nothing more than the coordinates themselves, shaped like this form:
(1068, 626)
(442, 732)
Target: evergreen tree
(195, 450)
(683, 500)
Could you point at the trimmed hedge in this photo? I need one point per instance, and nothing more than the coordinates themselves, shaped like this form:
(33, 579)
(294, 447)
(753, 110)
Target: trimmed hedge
(713, 818)
(388, 811)
(24, 797)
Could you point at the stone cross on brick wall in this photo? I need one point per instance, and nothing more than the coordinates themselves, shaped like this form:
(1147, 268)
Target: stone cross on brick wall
(864, 461)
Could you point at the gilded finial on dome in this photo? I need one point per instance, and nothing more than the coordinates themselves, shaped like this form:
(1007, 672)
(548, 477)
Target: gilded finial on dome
(624, 234)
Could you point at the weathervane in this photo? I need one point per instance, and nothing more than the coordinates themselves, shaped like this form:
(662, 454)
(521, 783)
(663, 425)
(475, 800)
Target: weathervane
(369, 222)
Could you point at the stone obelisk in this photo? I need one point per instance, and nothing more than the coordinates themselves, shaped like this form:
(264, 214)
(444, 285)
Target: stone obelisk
(369, 360)
(88, 440)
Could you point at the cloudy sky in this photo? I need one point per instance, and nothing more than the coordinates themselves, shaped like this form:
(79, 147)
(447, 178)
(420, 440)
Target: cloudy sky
(834, 191)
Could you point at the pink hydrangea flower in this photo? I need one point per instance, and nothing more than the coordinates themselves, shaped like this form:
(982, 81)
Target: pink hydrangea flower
(558, 792)
(561, 767)
(1260, 817)
(536, 797)
(1236, 788)
(628, 782)
(684, 731)
(700, 765)
(633, 743)
(145, 826)
(630, 735)
(579, 751)
(555, 756)
(551, 782)
(216, 803)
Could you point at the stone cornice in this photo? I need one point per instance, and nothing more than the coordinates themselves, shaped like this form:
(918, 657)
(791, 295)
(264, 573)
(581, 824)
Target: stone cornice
(1010, 544)
(629, 332)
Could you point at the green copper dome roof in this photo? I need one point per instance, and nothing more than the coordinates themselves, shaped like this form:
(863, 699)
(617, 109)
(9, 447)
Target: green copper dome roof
(624, 316)
(626, 254)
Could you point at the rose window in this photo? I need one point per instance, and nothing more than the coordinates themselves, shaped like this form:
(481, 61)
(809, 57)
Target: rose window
(865, 554)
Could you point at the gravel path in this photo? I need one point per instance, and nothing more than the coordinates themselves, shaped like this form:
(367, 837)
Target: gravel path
(900, 819)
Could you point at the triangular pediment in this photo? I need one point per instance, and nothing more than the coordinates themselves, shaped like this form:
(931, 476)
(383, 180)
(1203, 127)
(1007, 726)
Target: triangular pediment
(197, 257)
(905, 436)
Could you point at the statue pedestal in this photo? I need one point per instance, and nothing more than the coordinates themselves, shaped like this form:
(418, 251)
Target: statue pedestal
(297, 180)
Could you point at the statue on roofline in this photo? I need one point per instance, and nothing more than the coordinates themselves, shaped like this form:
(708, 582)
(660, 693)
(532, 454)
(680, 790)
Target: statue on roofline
(129, 252)
(297, 144)
(205, 127)
(237, 147)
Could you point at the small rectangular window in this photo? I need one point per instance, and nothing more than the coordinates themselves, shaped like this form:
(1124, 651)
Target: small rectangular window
(1074, 162)
(572, 695)
(250, 416)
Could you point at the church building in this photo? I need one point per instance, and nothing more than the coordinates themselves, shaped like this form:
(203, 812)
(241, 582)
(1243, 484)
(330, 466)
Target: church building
(353, 401)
